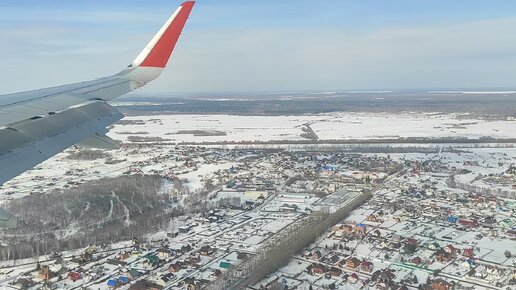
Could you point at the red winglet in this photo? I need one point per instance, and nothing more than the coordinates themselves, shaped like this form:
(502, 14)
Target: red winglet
(160, 53)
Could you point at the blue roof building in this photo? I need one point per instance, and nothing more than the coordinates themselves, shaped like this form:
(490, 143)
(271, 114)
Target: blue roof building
(112, 283)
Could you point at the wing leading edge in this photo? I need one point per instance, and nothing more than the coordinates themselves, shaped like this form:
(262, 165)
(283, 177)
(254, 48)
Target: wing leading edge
(36, 125)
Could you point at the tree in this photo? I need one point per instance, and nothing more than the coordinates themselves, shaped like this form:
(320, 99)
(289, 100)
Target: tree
(208, 185)
(409, 248)
(368, 179)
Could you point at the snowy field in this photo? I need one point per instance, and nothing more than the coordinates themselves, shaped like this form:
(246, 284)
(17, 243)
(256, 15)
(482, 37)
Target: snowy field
(217, 128)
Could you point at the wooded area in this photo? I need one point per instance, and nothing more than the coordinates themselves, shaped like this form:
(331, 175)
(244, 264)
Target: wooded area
(97, 212)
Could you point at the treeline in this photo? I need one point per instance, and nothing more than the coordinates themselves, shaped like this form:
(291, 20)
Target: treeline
(400, 140)
(498, 192)
(88, 154)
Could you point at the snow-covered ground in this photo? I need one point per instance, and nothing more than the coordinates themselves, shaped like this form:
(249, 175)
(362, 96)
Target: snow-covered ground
(349, 125)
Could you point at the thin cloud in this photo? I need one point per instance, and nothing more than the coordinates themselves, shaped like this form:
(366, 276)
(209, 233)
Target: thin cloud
(472, 54)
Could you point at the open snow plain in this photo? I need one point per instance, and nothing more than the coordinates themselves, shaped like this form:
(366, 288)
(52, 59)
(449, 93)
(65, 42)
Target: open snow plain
(331, 126)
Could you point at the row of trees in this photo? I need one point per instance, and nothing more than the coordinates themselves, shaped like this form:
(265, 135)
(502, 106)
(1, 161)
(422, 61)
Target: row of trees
(498, 192)
(88, 154)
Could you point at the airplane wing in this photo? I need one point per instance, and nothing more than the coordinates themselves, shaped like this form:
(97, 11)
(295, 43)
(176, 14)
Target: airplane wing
(36, 125)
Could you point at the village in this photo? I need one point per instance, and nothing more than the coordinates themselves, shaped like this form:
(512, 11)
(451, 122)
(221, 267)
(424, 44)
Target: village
(418, 229)
(433, 218)
(416, 233)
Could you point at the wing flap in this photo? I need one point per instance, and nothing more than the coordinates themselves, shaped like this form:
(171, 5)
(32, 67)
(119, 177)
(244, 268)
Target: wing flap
(98, 141)
(37, 140)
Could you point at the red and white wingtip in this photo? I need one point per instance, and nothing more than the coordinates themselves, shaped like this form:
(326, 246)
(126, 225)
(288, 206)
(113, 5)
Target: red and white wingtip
(158, 50)
(154, 57)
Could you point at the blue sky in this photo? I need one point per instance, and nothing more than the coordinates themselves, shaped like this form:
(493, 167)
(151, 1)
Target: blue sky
(266, 45)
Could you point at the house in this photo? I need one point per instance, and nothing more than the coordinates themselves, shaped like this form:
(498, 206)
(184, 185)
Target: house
(184, 229)
(145, 285)
(373, 218)
(193, 260)
(386, 276)
(470, 223)
(316, 255)
(337, 227)
(74, 276)
(440, 284)
(115, 262)
(468, 252)
(175, 267)
(225, 265)
(192, 284)
(383, 245)
(353, 278)
(164, 254)
(334, 271)
(333, 259)
(366, 266)
(260, 199)
(360, 228)
(416, 260)
(151, 261)
(348, 229)
(123, 280)
(217, 273)
(206, 250)
(242, 255)
(376, 233)
(132, 274)
(166, 278)
(469, 263)
(123, 255)
(342, 262)
(450, 249)
(452, 219)
(376, 275)
(443, 256)
(25, 283)
(91, 249)
(45, 273)
(112, 283)
(412, 241)
(318, 269)
(434, 246)
(352, 263)
(186, 248)
(288, 207)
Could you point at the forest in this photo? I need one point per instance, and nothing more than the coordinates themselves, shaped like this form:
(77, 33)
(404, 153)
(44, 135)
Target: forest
(97, 212)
